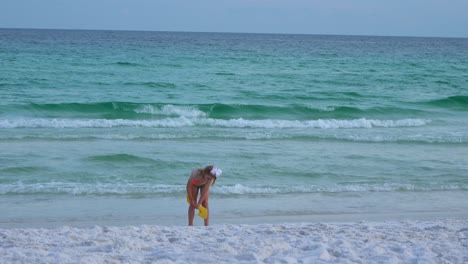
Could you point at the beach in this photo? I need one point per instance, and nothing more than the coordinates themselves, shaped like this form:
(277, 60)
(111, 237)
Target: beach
(361, 242)
(334, 149)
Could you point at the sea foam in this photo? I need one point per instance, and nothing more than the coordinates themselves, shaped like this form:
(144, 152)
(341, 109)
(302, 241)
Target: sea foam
(232, 123)
(170, 110)
(116, 188)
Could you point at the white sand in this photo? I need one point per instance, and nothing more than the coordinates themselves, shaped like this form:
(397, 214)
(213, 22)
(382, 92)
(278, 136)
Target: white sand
(363, 242)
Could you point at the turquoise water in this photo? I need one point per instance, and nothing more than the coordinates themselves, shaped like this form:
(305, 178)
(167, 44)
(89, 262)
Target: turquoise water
(105, 126)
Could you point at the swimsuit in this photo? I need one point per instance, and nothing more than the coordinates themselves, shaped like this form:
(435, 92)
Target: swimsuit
(198, 183)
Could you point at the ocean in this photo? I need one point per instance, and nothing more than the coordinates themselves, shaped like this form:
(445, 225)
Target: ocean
(104, 127)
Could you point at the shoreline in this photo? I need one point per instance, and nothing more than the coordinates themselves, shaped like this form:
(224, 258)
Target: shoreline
(23, 211)
(431, 241)
(181, 220)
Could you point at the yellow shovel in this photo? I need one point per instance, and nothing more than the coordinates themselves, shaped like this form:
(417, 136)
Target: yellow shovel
(202, 211)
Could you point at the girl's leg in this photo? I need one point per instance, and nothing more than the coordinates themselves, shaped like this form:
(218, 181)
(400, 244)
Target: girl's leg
(205, 204)
(191, 209)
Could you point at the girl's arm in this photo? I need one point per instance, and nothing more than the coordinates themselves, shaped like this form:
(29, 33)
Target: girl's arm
(205, 193)
(189, 189)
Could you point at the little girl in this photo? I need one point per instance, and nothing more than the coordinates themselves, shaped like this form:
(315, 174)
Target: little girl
(200, 180)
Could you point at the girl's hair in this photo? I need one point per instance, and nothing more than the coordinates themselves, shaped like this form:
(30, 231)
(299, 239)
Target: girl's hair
(206, 173)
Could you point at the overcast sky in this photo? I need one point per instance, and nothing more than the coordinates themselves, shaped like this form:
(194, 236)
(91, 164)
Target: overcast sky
(445, 18)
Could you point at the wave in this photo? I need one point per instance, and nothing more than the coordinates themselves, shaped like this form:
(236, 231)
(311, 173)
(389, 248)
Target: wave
(332, 188)
(152, 84)
(88, 189)
(412, 138)
(323, 124)
(459, 102)
(225, 73)
(170, 110)
(112, 109)
(441, 138)
(119, 158)
(301, 112)
(105, 110)
(23, 169)
(210, 122)
(226, 111)
(127, 64)
(78, 109)
(221, 111)
(237, 189)
(93, 123)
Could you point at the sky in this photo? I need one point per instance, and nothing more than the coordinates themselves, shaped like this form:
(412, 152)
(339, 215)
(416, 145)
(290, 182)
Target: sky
(432, 18)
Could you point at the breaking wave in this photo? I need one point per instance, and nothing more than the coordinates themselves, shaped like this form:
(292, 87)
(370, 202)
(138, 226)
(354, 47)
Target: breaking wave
(189, 122)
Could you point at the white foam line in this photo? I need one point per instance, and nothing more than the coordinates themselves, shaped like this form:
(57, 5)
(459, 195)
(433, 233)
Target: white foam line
(93, 123)
(320, 123)
(234, 123)
(90, 188)
(169, 110)
(147, 188)
(429, 138)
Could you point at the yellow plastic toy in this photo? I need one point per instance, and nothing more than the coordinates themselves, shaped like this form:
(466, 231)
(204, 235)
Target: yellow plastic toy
(202, 211)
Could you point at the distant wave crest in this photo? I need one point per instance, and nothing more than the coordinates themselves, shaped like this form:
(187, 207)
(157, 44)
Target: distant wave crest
(129, 110)
(453, 102)
(431, 138)
(231, 123)
(186, 111)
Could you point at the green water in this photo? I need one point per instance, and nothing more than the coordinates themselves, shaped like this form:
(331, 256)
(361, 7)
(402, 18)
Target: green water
(105, 126)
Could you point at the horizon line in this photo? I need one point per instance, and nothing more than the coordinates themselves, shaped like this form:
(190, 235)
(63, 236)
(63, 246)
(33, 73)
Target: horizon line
(232, 32)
